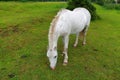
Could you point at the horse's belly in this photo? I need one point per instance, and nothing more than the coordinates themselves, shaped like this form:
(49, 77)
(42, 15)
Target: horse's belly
(76, 30)
(77, 24)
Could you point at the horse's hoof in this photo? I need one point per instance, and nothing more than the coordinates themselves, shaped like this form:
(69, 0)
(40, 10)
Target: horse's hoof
(83, 44)
(52, 68)
(65, 63)
(62, 54)
(74, 46)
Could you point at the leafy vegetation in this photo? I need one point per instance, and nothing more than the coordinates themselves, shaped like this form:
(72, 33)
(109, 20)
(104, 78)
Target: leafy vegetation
(23, 43)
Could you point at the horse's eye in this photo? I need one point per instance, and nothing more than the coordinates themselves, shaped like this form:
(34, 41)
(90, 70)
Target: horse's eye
(55, 56)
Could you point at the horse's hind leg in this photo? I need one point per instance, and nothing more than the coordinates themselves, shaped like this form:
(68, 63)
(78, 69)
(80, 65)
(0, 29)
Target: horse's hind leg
(83, 33)
(76, 41)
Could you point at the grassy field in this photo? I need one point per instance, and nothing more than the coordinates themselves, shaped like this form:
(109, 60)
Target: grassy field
(23, 43)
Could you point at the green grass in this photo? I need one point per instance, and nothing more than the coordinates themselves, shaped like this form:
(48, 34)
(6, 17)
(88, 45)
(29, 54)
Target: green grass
(23, 43)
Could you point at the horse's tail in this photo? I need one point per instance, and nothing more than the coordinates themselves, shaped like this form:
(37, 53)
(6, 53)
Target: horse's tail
(85, 29)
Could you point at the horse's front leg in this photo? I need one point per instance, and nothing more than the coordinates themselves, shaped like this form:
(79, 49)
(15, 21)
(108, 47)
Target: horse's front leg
(66, 41)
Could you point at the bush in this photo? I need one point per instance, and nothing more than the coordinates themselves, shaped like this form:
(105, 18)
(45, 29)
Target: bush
(83, 3)
(100, 2)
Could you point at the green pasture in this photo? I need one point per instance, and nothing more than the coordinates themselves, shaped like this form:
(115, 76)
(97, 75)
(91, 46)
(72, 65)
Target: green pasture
(24, 39)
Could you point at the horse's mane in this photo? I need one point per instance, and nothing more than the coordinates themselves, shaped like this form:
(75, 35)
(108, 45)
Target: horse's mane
(54, 21)
(53, 24)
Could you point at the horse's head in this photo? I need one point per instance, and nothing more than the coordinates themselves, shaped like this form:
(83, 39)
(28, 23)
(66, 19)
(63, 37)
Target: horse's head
(52, 56)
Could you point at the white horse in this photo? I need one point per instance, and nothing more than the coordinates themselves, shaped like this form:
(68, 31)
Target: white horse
(66, 22)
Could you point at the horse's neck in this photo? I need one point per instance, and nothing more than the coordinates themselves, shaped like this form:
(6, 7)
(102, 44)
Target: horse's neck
(53, 38)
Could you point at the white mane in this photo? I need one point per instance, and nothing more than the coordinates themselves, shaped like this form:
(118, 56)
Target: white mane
(53, 24)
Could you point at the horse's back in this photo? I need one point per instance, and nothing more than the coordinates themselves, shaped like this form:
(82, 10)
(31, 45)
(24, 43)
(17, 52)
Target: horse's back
(83, 10)
(73, 21)
(80, 18)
